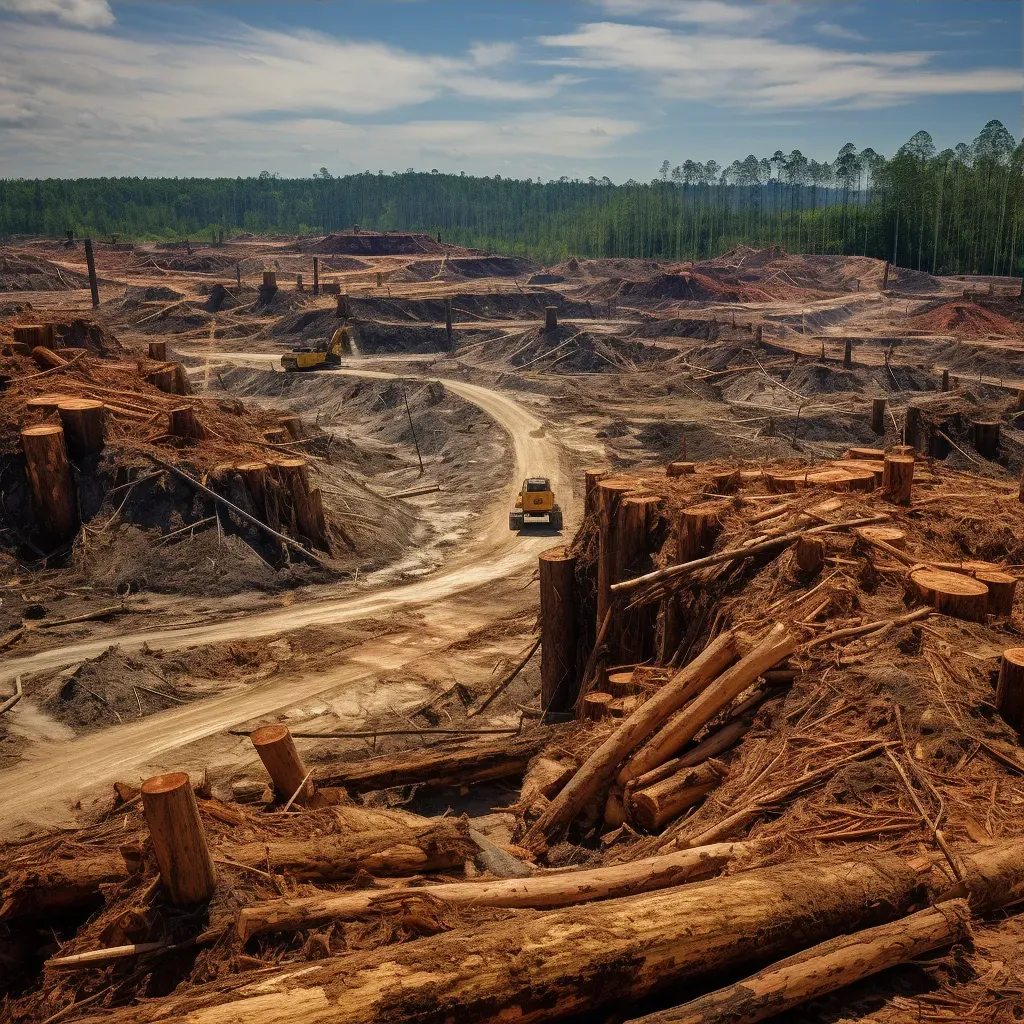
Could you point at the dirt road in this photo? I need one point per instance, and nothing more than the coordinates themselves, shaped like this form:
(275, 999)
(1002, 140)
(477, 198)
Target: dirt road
(53, 776)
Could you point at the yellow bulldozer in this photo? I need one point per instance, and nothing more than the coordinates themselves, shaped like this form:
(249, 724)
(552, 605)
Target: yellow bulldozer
(535, 506)
(324, 356)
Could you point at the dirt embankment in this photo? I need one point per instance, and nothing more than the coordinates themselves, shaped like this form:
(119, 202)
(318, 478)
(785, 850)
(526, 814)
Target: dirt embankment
(368, 243)
(461, 268)
(25, 272)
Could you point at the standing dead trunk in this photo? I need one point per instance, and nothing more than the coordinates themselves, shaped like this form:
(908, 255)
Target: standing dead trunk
(82, 419)
(49, 477)
(559, 686)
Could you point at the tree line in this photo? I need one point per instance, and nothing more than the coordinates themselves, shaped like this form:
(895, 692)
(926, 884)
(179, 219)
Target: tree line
(956, 211)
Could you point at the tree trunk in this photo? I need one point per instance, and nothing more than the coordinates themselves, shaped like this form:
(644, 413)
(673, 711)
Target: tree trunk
(547, 965)
(633, 634)
(560, 889)
(262, 491)
(591, 478)
(596, 705)
(609, 493)
(848, 355)
(293, 425)
(277, 751)
(559, 682)
(158, 351)
(654, 806)
(810, 555)
(1002, 588)
(56, 886)
(1010, 690)
(952, 593)
(46, 358)
(183, 423)
(878, 415)
(550, 319)
(306, 502)
(685, 724)
(898, 478)
(824, 968)
(599, 769)
(165, 378)
(986, 437)
(698, 526)
(437, 766)
(49, 477)
(440, 845)
(82, 419)
(179, 840)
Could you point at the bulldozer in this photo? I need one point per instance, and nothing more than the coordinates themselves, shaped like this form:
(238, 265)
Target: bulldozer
(535, 506)
(326, 355)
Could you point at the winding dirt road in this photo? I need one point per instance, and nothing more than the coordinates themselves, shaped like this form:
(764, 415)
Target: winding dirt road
(41, 790)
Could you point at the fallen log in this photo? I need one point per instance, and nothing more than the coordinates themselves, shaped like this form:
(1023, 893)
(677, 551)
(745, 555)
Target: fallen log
(436, 766)
(545, 965)
(56, 887)
(659, 803)
(559, 889)
(685, 724)
(599, 769)
(824, 968)
(442, 844)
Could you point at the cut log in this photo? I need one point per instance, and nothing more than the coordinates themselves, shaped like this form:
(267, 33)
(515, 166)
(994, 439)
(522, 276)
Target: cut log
(952, 593)
(543, 780)
(82, 419)
(824, 968)
(614, 809)
(1010, 689)
(57, 886)
(441, 845)
(158, 351)
(898, 478)
(47, 359)
(655, 805)
(599, 769)
(179, 841)
(34, 335)
(591, 478)
(277, 751)
(878, 415)
(810, 555)
(559, 686)
(562, 889)
(986, 437)
(1002, 589)
(686, 723)
(886, 534)
(596, 705)
(49, 477)
(680, 468)
(437, 766)
(183, 423)
(608, 494)
(550, 965)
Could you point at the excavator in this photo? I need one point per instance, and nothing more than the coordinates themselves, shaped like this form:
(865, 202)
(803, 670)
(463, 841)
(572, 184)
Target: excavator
(325, 356)
(535, 506)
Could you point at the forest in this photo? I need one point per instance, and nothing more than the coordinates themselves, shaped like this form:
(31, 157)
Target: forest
(960, 210)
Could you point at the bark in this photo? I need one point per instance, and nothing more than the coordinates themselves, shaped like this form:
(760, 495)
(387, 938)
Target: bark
(56, 887)
(545, 965)
(591, 478)
(49, 477)
(600, 768)
(685, 724)
(898, 478)
(277, 751)
(634, 628)
(559, 684)
(184, 423)
(1002, 588)
(824, 968)
(34, 335)
(437, 766)
(47, 359)
(986, 437)
(82, 419)
(165, 378)
(158, 351)
(608, 495)
(557, 889)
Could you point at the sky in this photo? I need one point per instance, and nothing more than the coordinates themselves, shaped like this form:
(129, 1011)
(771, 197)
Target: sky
(520, 88)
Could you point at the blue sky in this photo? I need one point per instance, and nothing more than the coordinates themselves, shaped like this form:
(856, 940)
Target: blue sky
(511, 87)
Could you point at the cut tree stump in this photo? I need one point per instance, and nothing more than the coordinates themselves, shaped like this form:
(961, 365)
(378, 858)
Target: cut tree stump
(886, 534)
(726, 482)
(878, 415)
(591, 478)
(698, 526)
(82, 419)
(559, 685)
(631, 637)
(169, 378)
(810, 555)
(1002, 589)
(680, 468)
(44, 404)
(654, 806)
(183, 423)
(952, 593)
(865, 454)
(293, 425)
(1010, 689)
(262, 491)
(49, 477)
(306, 501)
(986, 437)
(277, 751)
(34, 335)
(179, 841)
(550, 319)
(608, 494)
(898, 478)
(597, 705)
(158, 351)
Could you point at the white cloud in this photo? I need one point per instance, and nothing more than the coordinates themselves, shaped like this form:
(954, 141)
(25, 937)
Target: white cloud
(486, 55)
(757, 72)
(723, 15)
(833, 31)
(87, 13)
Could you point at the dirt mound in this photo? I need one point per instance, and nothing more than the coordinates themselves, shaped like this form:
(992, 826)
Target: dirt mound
(22, 273)
(112, 688)
(466, 267)
(620, 269)
(963, 319)
(569, 349)
(194, 263)
(367, 243)
(153, 293)
(686, 286)
(467, 306)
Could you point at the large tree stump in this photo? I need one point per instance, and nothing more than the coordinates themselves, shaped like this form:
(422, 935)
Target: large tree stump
(608, 494)
(44, 404)
(293, 425)
(49, 477)
(34, 335)
(698, 528)
(179, 841)
(864, 454)
(168, 378)
(158, 351)
(306, 501)
(633, 637)
(810, 555)
(183, 423)
(591, 478)
(658, 804)
(1002, 588)
(878, 415)
(261, 490)
(559, 684)
(596, 705)
(726, 482)
(898, 478)
(82, 419)
(277, 751)
(1010, 689)
(952, 593)
(986, 437)
(680, 468)
(912, 427)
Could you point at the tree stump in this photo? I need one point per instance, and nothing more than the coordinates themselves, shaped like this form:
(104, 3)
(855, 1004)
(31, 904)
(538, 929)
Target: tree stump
(183, 423)
(887, 534)
(293, 425)
(179, 841)
(82, 419)
(864, 454)
(878, 415)
(158, 351)
(276, 435)
(280, 757)
(270, 279)
(1020, 493)
(559, 686)
(34, 335)
(47, 359)
(1002, 589)
(307, 502)
(727, 482)
(1010, 689)
(44, 404)
(680, 468)
(550, 319)
(623, 707)
(912, 426)
(594, 706)
(945, 380)
(591, 478)
(952, 593)
(164, 378)
(621, 684)
(261, 490)
(986, 437)
(698, 527)
(49, 477)
(810, 555)
(898, 478)
(848, 355)
(634, 633)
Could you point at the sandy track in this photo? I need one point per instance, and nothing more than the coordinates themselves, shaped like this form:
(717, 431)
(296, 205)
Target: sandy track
(40, 790)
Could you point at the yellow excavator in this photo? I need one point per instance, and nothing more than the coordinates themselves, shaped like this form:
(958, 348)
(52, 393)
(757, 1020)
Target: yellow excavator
(535, 506)
(325, 356)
